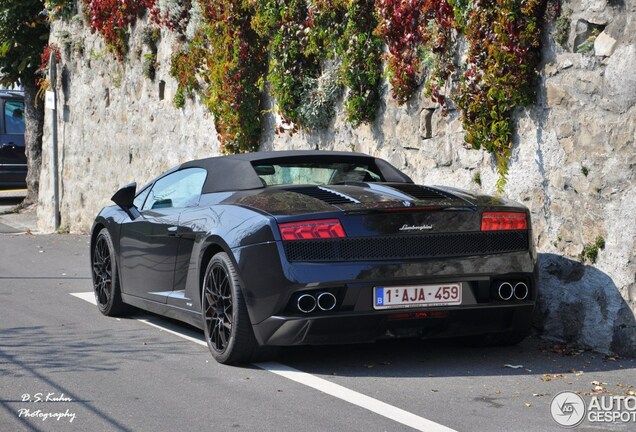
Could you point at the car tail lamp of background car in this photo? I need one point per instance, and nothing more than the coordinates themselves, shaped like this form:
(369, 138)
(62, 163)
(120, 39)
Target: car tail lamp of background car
(312, 230)
(503, 221)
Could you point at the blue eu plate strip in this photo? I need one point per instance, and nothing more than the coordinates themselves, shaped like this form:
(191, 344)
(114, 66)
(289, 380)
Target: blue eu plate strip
(379, 296)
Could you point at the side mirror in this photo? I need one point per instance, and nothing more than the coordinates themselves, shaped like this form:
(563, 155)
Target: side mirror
(125, 197)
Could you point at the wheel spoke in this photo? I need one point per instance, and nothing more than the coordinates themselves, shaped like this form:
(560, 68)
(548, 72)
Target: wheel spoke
(222, 334)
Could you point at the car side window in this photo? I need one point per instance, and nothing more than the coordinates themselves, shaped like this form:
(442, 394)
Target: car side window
(178, 189)
(14, 117)
(141, 198)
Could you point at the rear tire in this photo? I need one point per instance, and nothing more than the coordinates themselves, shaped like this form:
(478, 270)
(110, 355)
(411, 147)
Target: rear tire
(226, 324)
(106, 277)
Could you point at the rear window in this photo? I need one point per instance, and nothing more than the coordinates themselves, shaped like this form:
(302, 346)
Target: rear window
(14, 117)
(318, 173)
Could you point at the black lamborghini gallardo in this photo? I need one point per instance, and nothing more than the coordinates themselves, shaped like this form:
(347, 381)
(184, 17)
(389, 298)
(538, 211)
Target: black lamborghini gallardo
(313, 247)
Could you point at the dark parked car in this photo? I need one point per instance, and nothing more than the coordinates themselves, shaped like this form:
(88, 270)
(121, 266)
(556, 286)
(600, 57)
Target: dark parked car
(13, 163)
(289, 248)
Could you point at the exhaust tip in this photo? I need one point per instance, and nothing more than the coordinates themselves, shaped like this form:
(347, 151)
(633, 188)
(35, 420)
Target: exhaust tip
(306, 303)
(326, 301)
(505, 291)
(521, 291)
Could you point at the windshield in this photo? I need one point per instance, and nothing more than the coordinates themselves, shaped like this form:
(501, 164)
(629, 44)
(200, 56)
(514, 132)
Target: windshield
(319, 173)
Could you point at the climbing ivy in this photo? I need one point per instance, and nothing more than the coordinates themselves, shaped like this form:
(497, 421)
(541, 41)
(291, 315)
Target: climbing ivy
(504, 39)
(291, 62)
(309, 50)
(361, 69)
(112, 18)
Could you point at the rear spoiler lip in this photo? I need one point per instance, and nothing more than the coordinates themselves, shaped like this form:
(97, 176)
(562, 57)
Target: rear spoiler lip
(415, 209)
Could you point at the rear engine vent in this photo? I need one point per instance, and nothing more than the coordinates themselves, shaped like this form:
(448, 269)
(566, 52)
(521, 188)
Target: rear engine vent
(422, 192)
(326, 195)
(407, 247)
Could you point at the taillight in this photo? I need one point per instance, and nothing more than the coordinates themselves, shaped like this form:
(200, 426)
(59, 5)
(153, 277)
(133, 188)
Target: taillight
(496, 221)
(311, 230)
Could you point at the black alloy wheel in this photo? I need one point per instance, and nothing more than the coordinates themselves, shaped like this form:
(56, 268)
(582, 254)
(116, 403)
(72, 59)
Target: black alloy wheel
(105, 276)
(227, 327)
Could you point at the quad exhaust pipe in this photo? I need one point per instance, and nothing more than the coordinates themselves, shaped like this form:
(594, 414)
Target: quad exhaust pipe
(306, 303)
(521, 291)
(324, 301)
(507, 291)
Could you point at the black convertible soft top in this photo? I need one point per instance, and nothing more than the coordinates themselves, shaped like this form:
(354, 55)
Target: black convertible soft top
(236, 172)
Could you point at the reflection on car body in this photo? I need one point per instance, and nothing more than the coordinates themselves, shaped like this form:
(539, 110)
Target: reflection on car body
(287, 248)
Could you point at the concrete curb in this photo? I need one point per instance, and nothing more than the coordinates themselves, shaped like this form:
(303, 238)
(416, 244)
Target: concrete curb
(24, 221)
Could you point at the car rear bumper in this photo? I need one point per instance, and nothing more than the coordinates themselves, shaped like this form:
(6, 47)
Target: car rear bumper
(272, 287)
(340, 328)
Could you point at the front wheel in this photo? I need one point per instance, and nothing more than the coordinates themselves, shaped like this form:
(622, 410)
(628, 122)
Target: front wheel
(227, 326)
(105, 276)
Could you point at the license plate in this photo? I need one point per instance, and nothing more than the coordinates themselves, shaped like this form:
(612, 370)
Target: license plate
(417, 296)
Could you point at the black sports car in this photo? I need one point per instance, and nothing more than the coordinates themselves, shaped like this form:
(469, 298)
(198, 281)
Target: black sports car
(312, 247)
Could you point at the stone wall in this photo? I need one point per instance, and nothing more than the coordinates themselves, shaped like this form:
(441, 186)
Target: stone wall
(114, 125)
(573, 162)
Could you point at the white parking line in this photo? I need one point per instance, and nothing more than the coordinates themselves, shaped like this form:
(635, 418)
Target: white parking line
(86, 296)
(363, 401)
(389, 411)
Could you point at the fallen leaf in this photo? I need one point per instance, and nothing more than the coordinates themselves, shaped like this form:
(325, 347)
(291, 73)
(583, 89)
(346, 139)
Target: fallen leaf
(527, 405)
(434, 390)
(575, 372)
(550, 377)
(538, 394)
(630, 393)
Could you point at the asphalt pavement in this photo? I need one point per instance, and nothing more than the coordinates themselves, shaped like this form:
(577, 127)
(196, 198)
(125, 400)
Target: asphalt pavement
(65, 367)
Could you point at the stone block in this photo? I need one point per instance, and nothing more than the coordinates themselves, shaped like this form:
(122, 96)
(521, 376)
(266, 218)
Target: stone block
(556, 95)
(620, 79)
(604, 45)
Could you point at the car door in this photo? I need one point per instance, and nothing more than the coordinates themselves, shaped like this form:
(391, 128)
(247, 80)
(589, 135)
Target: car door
(149, 244)
(13, 163)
